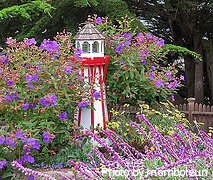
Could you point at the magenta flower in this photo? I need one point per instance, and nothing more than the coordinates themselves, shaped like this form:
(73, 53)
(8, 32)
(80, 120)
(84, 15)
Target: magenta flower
(98, 20)
(158, 83)
(30, 41)
(182, 77)
(10, 83)
(63, 115)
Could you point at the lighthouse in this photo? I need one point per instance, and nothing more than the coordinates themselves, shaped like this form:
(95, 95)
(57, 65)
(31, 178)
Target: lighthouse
(91, 41)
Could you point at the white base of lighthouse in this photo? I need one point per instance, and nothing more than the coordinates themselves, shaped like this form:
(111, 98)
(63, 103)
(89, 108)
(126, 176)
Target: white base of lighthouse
(94, 72)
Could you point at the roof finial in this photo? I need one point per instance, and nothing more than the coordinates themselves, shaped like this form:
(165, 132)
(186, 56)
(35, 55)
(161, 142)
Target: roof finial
(89, 18)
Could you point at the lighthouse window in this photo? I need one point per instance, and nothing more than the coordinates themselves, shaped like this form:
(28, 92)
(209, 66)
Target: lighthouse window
(78, 45)
(95, 47)
(86, 48)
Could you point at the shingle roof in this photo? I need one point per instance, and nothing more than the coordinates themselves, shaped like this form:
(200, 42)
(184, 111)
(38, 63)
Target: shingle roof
(89, 32)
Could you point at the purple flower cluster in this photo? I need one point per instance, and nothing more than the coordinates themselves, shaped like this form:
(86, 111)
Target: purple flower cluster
(2, 163)
(31, 172)
(3, 59)
(78, 53)
(33, 143)
(63, 115)
(98, 20)
(83, 104)
(119, 48)
(11, 97)
(33, 78)
(182, 149)
(96, 94)
(30, 41)
(51, 46)
(49, 99)
(48, 137)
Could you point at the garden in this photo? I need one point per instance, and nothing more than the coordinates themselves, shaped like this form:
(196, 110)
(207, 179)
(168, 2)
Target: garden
(42, 86)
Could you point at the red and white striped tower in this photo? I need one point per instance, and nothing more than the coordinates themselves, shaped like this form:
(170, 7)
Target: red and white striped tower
(91, 41)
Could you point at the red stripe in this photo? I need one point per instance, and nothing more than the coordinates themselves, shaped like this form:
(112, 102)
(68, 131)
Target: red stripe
(92, 104)
(102, 96)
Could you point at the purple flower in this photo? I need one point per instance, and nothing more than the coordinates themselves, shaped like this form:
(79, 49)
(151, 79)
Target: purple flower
(24, 138)
(10, 83)
(68, 70)
(97, 95)
(31, 141)
(25, 106)
(28, 158)
(158, 83)
(53, 100)
(31, 177)
(63, 115)
(153, 67)
(44, 102)
(182, 77)
(32, 106)
(35, 78)
(30, 86)
(173, 98)
(2, 163)
(30, 41)
(93, 91)
(168, 75)
(10, 142)
(149, 36)
(98, 20)
(18, 134)
(160, 43)
(82, 104)
(127, 43)
(119, 48)
(28, 78)
(1, 139)
(127, 35)
(1, 70)
(152, 75)
(144, 62)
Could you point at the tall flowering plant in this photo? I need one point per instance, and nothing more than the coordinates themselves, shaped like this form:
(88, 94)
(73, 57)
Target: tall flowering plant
(41, 86)
(136, 70)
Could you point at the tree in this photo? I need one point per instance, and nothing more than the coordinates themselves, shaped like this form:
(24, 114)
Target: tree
(43, 19)
(186, 23)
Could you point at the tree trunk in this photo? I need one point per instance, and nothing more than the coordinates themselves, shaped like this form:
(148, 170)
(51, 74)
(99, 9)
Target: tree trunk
(189, 74)
(208, 50)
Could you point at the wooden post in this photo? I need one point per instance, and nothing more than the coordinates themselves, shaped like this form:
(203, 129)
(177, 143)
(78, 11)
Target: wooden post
(191, 102)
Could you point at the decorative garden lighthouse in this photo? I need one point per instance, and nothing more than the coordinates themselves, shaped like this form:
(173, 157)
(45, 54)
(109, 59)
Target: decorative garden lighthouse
(95, 63)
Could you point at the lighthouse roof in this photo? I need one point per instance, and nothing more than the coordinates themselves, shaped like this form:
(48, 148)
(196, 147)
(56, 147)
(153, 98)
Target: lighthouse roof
(89, 32)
